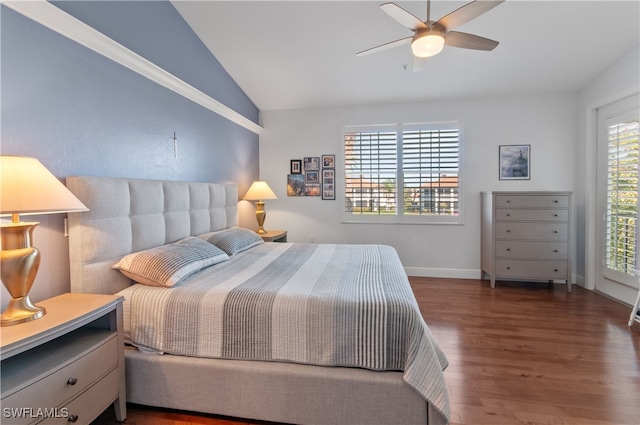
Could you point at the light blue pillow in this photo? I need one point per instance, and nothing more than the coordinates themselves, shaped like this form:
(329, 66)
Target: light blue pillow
(233, 241)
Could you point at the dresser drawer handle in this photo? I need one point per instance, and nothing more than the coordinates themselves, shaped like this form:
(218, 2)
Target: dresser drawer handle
(555, 250)
(72, 381)
(555, 201)
(508, 230)
(555, 270)
(508, 268)
(508, 201)
(555, 231)
(508, 249)
(556, 215)
(72, 418)
(508, 214)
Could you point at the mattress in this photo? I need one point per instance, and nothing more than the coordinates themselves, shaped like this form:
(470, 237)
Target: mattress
(328, 305)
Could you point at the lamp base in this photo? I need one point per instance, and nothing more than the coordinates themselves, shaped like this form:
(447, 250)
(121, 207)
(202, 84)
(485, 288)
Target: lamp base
(21, 310)
(261, 214)
(19, 262)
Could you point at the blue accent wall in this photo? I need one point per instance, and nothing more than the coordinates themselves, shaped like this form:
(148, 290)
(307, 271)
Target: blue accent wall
(80, 113)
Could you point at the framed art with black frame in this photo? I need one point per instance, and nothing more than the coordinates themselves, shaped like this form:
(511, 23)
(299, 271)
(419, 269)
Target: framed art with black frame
(328, 184)
(296, 166)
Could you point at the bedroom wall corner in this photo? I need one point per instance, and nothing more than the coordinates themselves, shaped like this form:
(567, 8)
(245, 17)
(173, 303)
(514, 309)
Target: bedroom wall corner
(81, 114)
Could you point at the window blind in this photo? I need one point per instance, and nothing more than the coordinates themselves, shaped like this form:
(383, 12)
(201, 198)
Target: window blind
(370, 172)
(622, 197)
(407, 173)
(430, 164)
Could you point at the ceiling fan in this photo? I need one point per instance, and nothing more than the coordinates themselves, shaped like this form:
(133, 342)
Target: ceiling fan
(430, 37)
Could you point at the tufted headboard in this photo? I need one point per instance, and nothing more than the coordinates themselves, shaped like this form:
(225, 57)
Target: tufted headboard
(129, 215)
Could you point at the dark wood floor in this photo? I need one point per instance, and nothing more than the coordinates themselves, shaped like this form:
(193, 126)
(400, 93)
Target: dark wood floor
(519, 354)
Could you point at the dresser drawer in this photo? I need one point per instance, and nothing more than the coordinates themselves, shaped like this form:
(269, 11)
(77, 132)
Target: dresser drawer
(512, 214)
(532, 250)
(90, 404)
(532, 231)
(532, 201)
(54, 389)
(547, 270)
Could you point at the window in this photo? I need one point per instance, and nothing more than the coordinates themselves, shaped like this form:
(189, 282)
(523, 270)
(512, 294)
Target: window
(622, 196)
(407, 173)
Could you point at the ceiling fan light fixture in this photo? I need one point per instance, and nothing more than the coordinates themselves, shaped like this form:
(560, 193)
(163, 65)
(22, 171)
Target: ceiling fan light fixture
(427, 43)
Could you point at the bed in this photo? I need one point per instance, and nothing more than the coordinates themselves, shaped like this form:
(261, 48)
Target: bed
(289, 333)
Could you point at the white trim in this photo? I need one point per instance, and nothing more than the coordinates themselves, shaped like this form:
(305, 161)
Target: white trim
(443, 273)
(591, 206)
(64, 24)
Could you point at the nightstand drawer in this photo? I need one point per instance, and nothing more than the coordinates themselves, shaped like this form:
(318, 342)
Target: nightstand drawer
(89, 404)
(94, 354)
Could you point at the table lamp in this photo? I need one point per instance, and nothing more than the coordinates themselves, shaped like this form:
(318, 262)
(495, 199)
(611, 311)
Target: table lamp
(28, 188)
(259, 191)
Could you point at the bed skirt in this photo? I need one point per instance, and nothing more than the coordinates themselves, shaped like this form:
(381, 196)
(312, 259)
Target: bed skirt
(278, 392)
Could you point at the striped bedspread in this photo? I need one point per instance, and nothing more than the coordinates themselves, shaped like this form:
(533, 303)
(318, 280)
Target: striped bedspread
(321, 304)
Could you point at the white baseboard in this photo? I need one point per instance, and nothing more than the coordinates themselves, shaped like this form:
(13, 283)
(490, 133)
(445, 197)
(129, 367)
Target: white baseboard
(446, 273)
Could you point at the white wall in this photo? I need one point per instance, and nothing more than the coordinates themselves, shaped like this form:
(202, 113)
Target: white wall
(547, 123)
(617, 82)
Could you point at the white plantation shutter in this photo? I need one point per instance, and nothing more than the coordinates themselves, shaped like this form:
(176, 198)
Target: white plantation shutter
(622, 196)
(402, 173)
(370, 158)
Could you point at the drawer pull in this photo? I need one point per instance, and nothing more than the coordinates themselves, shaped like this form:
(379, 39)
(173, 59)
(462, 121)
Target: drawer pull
(508, 249)
(508, 230)
(555, 250)
(555, 231)
(508, 214)
(72, 381)
(508, 201)
(555, 270)
(72, 418)
(508, 268)
(556, 215)
(555, 201)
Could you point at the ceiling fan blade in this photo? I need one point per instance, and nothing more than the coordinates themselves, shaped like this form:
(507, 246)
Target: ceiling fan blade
(468, 41)
(385, 46)
(466, 13)
(402, 17)
(418, 63)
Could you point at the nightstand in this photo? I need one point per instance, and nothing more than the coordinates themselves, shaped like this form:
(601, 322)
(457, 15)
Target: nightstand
(67, 366)
(274, 236)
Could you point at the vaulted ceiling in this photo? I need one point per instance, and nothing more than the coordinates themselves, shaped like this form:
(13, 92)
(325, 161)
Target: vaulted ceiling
(301, 54)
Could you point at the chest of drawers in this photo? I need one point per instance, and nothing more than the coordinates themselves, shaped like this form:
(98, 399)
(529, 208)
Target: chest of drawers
(526, 236)
(66, 367)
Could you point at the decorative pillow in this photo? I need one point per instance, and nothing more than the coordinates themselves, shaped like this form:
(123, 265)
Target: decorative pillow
(234, 240)
(168, 265)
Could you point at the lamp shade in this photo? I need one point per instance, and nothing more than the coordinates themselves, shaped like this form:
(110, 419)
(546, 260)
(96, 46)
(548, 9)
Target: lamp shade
(27, 187)
(258, 191)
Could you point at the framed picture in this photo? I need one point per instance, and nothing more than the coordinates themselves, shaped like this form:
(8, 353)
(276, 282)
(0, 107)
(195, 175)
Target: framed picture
(296, 166)
(312, 177)
(311, 163)
(312, 190)
(295, 185)
(328, 161)
(515, 162)
(328, 184)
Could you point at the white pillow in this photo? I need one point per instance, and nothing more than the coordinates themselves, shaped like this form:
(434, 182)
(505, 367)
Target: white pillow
(168, 265)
